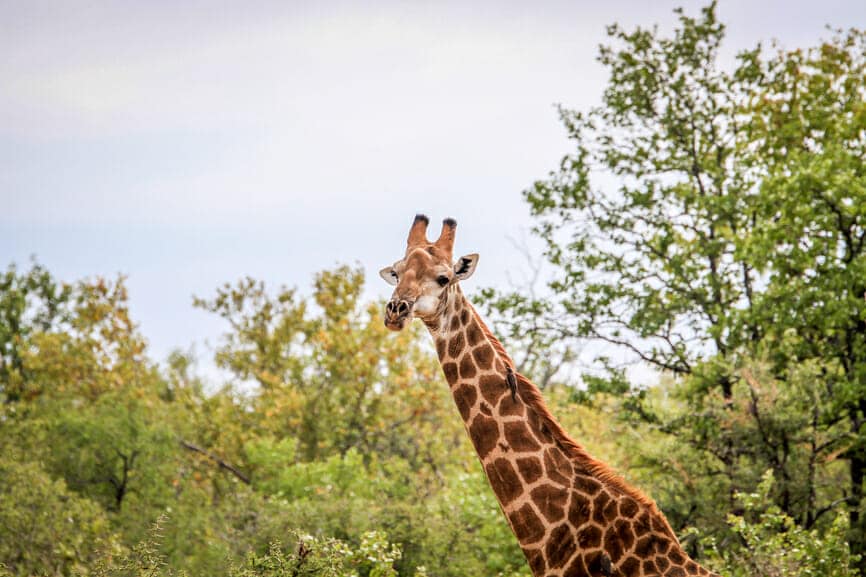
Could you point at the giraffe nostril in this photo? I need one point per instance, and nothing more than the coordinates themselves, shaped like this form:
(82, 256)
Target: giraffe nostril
(398, 308)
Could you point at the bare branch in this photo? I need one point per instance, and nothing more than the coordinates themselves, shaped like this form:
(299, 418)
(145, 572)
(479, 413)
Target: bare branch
(222, 464)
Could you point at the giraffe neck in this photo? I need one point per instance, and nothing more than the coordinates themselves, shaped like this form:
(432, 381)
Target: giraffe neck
(570, 513)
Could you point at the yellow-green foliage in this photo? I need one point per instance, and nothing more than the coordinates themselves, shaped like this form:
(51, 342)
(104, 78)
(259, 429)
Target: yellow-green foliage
(46, 528)
(774, 545)
(730, 255)
(329, 427)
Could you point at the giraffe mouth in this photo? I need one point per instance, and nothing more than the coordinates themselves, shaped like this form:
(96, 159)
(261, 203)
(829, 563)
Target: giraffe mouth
(395, 325)
(397, 313)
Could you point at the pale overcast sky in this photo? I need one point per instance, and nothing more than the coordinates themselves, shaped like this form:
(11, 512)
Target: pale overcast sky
(185, 144)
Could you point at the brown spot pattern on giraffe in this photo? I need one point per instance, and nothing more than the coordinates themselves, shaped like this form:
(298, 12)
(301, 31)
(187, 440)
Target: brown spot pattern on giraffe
(535, 558)
(576, 569)
(455, 345)
(510, 408)
(629, 567)
(467, 367)
(483, 356)
(645, 546)
(455, 324)
(504, 480)
(580, 509)
(560, 547)
(586, 485)
(450, 370)
(530, 469)
(441, 345)
(531, 418)
(558, 467)
(624, 533)
(519, 437)
(627, 507)
(474, 334)
(610, 511)
(465, 397)
(492, 387)
(527, 526)
(613, 545)
(597, 563)
(642, 524)
(589, 537)
(551, 501)
(485, 433)
(540, 430)
(598, 504)
(464, 317)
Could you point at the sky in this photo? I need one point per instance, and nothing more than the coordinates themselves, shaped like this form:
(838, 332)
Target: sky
(187, 144)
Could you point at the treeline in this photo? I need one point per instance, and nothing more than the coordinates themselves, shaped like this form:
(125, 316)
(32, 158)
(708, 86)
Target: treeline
(335, 449)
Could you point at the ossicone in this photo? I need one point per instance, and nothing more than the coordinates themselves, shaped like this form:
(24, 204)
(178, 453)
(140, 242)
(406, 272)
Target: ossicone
(418, 232)
(446, 237)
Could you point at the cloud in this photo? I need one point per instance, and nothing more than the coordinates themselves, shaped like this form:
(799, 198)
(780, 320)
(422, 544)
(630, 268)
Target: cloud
(275, 116)
(189, 143)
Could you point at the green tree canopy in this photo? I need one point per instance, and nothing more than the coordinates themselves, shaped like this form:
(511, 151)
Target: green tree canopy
(711, 218)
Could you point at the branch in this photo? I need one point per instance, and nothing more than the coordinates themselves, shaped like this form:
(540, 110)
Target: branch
(222, 464)
(302, 553)
(679, 366)
(830, 507)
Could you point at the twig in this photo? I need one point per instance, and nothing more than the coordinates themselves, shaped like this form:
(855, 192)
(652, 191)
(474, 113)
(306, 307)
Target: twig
(222, 464)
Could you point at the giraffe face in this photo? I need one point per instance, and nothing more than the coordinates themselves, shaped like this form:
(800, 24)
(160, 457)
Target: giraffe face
(422, 277)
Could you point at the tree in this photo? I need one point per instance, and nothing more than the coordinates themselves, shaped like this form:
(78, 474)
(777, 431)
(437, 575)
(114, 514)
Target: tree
(337, 380)
(29, 302)
(773, 545)
(807, 116)
(540, 352)
(84, 401)
(710, 219)
(56, 532)
(350, 428)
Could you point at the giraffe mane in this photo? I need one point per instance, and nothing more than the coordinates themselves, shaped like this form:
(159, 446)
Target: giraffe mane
(531, 395)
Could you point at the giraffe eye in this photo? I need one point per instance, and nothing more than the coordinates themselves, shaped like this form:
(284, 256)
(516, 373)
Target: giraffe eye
(443, 280)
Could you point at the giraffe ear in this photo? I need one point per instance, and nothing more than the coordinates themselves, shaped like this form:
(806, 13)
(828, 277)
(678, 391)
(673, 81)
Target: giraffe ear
(389, 274)
(465, 266)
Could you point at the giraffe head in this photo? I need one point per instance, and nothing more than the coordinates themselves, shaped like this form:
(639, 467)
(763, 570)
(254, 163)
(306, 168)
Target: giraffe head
(422, 277)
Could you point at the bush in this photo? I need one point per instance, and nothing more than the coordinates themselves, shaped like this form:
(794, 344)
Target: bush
(53, 531)
(770, 544)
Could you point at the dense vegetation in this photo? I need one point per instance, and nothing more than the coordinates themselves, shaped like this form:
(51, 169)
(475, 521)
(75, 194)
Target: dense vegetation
(709, 222)
(335, 437)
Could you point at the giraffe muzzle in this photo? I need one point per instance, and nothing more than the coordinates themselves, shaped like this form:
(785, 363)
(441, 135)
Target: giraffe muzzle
(397, 313)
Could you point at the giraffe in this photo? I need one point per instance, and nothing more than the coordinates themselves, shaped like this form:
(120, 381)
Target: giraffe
(572, 515)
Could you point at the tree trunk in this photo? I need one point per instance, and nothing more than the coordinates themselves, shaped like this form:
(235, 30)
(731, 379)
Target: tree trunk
(858, 470)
